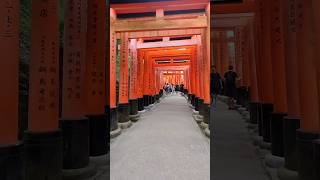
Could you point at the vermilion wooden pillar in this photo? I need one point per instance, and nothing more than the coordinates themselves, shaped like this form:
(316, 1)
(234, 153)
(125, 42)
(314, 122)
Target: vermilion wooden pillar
(238, 52)
(253, 74)
(199, 76)
(309, 93)
(74, 124)
(124, 109)
(279, 85)
(207, 64)
(111, 108)
(146, 81)
(291, 122)
(316, 16)
(133, 98)
(224, 52)
(245, 54)
(255, 59)
(96, 76)
(216, 52)
(140, 80)
(10, 148)
(43, 135)
(206, 70)
(266, 70)
(151, 81)
(193, 76)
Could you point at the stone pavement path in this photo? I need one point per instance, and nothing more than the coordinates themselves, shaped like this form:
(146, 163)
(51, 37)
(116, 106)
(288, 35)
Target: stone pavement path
(233, 155)
(165, 144)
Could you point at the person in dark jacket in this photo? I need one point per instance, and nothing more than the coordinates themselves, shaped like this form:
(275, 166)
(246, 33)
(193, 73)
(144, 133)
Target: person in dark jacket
(215, 84)
(230, 78)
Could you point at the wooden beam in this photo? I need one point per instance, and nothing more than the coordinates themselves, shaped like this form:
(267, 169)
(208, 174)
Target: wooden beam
(162, 33)
(160, 23)
(233, 8)
(167, 44)
(152, 6)
(171, 64)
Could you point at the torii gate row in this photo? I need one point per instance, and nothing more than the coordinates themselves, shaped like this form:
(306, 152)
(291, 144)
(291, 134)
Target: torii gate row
(142, 91)
(282, 49)
(174, 74)
(160, 26)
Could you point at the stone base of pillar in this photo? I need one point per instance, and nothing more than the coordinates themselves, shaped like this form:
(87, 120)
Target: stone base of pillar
(194, 112)
(123, 113)
(99, 134)
(134, 103)
(134, 118)
(81, 173)
(207, 132)
(76, 145)
(307, 163)
(115, 133)
(276, 127)
(140, 104)
(290, 126)
(198, 118)
(113, 117)
(267, 109)
(145, 100)
(274, 161)
(204, 125)
(258, 141)
(43, 155)
(11, 162)
(287, 174)
(241, 109)
(125, 125)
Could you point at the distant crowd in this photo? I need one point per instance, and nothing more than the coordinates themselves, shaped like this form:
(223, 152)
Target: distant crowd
(170, 88)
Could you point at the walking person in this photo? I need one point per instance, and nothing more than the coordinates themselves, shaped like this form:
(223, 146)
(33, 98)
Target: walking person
(230, 78)
(215, 85)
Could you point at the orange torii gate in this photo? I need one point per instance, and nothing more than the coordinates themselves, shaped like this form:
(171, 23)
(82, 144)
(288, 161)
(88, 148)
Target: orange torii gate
(161, 26)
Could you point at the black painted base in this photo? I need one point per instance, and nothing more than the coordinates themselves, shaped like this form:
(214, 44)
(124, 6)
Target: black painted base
(316, 145)
(196, 104)
(151, 99)
(112, 117)
(43, 155)
(75, 134)
(123, 113)
(290, 126)
(201, 108)
(11, 162)
(140, 104)
(146, 101)
(255, 109)
(266, 109)
(206, 113)
(193, 100)
(276, 135)
(133, 106)
(189, 97)
(99, 135)
(306, 159)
